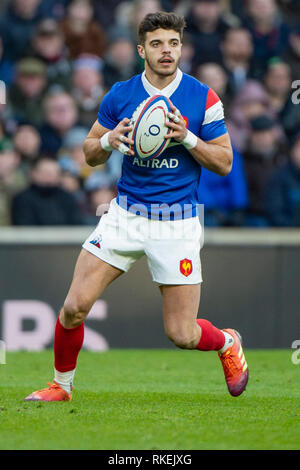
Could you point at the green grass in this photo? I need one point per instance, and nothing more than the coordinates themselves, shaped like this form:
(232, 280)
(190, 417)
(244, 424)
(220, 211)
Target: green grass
(152, 399)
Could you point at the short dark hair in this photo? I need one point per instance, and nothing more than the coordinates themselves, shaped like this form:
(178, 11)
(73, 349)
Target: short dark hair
(163, 20)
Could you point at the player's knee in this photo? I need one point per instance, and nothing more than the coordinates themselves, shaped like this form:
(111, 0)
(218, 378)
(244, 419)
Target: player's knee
(74, 312)
(184, 338)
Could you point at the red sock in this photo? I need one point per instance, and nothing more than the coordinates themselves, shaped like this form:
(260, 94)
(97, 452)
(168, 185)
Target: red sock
(212, 339)
(67, 344)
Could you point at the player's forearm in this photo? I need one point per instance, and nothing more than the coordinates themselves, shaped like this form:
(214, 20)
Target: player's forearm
(213, 157)
(94, 153)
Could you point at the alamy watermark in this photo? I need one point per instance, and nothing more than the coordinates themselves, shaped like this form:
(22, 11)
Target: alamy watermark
(2, 352)
(157, 222)
(2, 92)
(296, 93)
(296, 354)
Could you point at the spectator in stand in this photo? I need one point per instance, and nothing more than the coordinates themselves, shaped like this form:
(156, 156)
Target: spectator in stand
(17, 26)
(70, 176)
(237, 51)
(277, 81)
(55, 9)
(206, 26)
(120, 59)
(225, 199)
(3, 137)
(278, 84)
(82, 33)
(283, 192)
(130, 14)
(141, 8)
(71, 182)
(27, 92)
(7, 121)
(7, 69)
(72, 147)
(114, 166)
(99, 188)
(3, 6)
(59, 57)
(292, 55)
(44, 202)
(27, 142)
(187, 54)
(88, 89)
(251, 101)
(290, 9)
(61, 115)
(269, 33)
(105, 12)
(180, 7)
(12, 178)
(237, 7)
(216, 78)
(263, 156)
(48, 45)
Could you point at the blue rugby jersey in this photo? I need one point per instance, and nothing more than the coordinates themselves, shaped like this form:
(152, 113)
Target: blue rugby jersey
(151, 187)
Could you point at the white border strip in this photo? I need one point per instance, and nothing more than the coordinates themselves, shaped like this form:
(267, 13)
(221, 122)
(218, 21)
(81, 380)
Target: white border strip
(252, 237)
(220, 237)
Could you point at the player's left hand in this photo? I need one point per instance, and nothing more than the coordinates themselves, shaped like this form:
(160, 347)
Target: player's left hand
(177, 125)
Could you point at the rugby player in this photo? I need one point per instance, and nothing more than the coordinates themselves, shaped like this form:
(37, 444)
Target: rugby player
(199, 139)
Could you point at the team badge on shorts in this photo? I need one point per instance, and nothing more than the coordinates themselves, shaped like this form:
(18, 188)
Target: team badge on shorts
(186, 267)
(96, 241)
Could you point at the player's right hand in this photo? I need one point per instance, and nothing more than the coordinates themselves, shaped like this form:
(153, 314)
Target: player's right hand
(118, 140)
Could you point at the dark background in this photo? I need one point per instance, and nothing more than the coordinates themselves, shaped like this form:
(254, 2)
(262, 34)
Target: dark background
(253, 288)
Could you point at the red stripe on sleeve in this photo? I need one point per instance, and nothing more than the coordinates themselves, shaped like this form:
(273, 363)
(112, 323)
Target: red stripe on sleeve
(212, 98)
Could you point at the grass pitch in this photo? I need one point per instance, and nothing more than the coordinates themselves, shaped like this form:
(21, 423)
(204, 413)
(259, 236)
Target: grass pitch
(152, 399)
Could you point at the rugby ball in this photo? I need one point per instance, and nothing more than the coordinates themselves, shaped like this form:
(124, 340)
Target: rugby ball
(149, 128)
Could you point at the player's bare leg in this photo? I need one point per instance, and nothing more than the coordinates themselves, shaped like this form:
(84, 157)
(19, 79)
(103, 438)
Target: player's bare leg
(180, 309)
(91, 277)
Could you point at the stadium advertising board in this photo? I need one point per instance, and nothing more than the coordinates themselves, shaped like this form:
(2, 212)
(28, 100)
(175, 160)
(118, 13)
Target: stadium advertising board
(254, 286)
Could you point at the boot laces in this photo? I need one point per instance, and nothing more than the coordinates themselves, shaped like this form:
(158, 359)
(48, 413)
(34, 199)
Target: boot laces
(230, 365)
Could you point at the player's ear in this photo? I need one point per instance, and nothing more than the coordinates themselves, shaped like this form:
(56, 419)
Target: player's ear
(141, 51)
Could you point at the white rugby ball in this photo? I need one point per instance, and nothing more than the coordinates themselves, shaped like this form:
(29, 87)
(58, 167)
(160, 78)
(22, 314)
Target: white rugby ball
(149, 128)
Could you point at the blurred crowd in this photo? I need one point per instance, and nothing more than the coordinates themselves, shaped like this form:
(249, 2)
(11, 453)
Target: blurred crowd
(59, 57)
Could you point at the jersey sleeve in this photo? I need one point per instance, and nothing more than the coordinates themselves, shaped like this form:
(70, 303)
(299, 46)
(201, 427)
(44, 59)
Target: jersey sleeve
(107, 115)
(213, 125)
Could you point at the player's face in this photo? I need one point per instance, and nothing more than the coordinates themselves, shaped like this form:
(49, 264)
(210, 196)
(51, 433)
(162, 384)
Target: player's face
(161, 51)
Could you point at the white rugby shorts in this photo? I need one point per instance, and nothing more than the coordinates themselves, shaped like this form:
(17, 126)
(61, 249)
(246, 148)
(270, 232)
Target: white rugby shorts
(172, 247)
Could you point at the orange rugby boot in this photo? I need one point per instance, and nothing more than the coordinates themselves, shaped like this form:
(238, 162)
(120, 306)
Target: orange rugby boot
(53, 393)
(234, 365)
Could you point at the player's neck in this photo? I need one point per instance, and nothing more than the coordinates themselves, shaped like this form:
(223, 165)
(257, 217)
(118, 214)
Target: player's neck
(159, 81)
